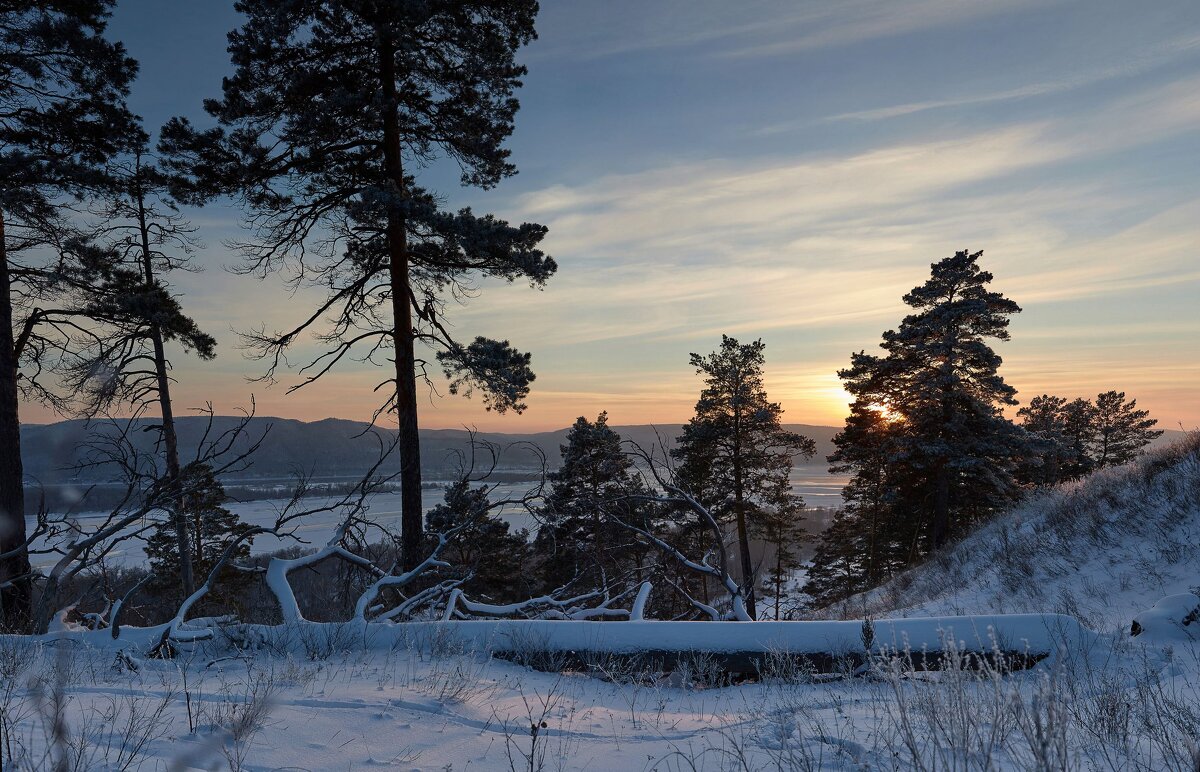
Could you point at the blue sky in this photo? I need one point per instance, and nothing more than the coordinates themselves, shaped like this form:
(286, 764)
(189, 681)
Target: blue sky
(787, 170)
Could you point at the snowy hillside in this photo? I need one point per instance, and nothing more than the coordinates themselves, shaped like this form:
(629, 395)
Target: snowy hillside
(1102, 550)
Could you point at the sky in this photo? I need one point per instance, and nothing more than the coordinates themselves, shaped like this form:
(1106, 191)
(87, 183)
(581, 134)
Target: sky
(786, 171)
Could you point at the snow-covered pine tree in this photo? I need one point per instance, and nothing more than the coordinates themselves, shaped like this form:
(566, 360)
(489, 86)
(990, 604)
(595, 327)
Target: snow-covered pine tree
(939, 378)
(1119, 430)
(734, 454)
(62, 96)
(578, 541)
(333, 106)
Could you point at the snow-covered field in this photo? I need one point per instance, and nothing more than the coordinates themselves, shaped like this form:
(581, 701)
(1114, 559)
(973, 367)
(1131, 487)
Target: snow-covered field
(317, 698)
(430, 696)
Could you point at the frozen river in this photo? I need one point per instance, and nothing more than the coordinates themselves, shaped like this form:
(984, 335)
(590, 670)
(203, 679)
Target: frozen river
(818, 490)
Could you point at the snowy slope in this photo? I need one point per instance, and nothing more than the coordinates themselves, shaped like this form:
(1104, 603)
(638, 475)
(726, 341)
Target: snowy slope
(1101, 550)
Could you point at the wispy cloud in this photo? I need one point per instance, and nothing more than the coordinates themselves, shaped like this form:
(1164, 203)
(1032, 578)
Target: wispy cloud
(814, 253)
(758, 28)
(1142, 61)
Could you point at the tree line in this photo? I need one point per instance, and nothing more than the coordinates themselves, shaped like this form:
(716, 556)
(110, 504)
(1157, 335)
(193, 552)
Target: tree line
(322, 135)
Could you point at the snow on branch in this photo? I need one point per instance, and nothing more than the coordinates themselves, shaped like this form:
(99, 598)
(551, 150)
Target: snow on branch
(674, 495)
(551, 606)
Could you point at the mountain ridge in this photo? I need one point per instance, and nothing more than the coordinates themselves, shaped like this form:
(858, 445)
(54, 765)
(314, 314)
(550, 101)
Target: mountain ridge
(334, 447)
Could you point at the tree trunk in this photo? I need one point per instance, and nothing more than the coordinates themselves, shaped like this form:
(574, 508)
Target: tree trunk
(940, 527)
(170, 439)
(941, 507)
(873, 572)
(15, 598)
(778, 577)
(411, 511)
(739, 510)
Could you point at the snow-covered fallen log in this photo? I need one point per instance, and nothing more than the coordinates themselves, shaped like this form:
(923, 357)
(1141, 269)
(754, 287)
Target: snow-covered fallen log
(1021, 640)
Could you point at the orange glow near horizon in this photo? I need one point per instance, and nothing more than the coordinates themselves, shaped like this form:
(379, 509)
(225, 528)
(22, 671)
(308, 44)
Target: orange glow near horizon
(822, 403)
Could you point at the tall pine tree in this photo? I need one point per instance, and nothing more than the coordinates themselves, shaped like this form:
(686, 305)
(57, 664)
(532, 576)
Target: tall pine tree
(62, 95)
(127, 367)
(333, 107)
(939, 381)
(734, 454)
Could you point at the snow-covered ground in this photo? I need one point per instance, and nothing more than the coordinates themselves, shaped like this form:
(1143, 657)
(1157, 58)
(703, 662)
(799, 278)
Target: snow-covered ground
(317, 698)
(429, 696)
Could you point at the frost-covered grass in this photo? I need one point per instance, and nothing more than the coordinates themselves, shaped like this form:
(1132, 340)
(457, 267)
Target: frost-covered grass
(313, 699)
(1101, 550)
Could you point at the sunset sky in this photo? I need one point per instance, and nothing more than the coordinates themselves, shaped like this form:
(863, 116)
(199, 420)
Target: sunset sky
(786, 170)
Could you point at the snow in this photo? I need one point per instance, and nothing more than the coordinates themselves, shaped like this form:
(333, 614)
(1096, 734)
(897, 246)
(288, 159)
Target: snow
(1032, 633)
(1102, 550)
(414, 697)
(1071, 570)
(1174, 618)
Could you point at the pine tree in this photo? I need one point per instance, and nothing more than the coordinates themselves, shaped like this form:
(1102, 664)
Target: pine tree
(495, 558)
(332, 108)
(62, 96)
(578, 541)
(146, 239)
(1060, 431)
(734, 453)
(940, 379)
(1042, 419)
(780, 525)
(837, 568)
(210, 528)
(1077, 424)
(1120, 430)
(872, 535)
(1074, 438)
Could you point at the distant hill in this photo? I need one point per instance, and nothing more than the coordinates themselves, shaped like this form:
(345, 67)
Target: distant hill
(331, 448)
